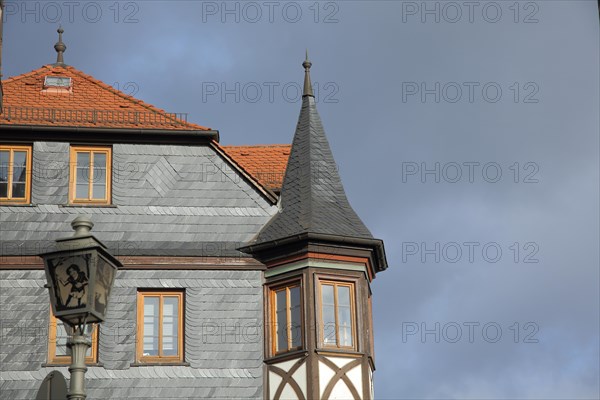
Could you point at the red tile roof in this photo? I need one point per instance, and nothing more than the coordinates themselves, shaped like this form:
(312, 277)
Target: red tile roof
(89, 103)
(265, 163)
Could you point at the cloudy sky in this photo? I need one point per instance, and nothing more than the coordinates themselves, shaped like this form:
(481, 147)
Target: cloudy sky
(467, 137)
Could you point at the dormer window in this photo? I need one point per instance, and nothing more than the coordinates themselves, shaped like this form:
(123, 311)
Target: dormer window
(57, 82)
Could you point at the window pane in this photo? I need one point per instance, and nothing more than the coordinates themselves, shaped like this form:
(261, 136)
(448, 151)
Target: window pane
(151, 326)
(344, 296)
(99, 176)
(281, 320)
(4, 157)
(328, 314)
(19, 166)
(170, 325)
(345, 321)
(296, 323)
(99, 191)
(61, 340)
(18, 191)
(83, 175)
(344, 316)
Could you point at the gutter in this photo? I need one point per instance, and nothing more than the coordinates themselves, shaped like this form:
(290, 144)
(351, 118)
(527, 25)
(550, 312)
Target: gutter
(165, 134)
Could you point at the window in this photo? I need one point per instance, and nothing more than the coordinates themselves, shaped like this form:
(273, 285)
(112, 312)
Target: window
(160, 326)
(90, 175)
(337, 314)
(57, 81)
(286, 318)
(15, 174)
(58, 352)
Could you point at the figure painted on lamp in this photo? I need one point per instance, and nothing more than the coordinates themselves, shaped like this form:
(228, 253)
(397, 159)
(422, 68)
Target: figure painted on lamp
(79, 282)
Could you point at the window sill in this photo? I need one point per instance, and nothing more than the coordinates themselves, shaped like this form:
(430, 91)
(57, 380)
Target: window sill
(287, 356)
(57, 364)
(158, 363)
(95, 205)
(9, 204)
(339, 352)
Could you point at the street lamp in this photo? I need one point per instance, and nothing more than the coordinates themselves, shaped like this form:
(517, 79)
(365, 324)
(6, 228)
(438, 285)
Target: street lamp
(80, 275)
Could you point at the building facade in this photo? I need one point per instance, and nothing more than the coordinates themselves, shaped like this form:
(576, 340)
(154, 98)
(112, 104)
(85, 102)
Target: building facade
(246, 272)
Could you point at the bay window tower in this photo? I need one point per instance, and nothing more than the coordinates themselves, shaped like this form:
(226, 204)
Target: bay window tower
(320, 260)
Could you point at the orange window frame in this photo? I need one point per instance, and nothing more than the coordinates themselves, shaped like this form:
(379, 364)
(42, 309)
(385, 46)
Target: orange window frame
(62, 359)
(19, 200)
(335, 285)
(140, 327)
(273, 302)
(73, 173)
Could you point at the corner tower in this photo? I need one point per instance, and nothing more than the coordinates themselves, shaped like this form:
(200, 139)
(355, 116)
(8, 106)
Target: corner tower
(320, 260)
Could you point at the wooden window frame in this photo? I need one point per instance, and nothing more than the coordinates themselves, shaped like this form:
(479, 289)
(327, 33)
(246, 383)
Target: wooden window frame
(141, 295)
(65, 360)
(352, 286)
(11, 149)
(73, 174)
(273, 289)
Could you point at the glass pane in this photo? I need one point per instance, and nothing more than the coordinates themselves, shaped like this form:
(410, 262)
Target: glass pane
(83, 175)
(281, 320)
(151, 326)
(99, 176)
(19, 166)
(328, 314)
(18, 191)
(296, 322)
(99, 191)
(61, 340)
(343, 296)
(4, 157)
(170, 325)
(345, 321)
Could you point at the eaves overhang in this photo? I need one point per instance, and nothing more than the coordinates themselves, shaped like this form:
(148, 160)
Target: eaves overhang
(106, 134)
(262, 250)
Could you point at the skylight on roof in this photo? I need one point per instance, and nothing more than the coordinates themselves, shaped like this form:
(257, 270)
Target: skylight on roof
(57, 81)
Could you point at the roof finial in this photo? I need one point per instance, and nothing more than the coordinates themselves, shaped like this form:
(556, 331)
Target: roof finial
(307, 84)
(60, 47)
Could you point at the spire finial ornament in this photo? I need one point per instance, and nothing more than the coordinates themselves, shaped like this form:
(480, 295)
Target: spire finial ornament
(60, 47)
(307, 84)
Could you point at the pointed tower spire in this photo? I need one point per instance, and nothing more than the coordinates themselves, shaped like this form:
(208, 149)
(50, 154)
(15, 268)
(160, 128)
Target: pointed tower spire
(60, 47)
(307, 83)
(313, 200)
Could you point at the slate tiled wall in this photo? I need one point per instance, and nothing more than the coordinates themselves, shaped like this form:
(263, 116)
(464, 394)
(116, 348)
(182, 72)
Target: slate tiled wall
(166, 200)
(223, 337)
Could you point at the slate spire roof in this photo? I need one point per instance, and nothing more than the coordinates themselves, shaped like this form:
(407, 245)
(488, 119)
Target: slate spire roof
(312, 199)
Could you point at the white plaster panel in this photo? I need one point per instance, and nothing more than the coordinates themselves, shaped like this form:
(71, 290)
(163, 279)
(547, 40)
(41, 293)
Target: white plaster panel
(355, 375)
(288, 393)
(340, 361)
(274, 381)
(325, 375)
(286, 365)
(300, 378)
(340, 392)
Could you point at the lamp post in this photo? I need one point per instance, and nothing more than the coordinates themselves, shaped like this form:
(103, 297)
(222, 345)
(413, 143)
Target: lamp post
(80, 275)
